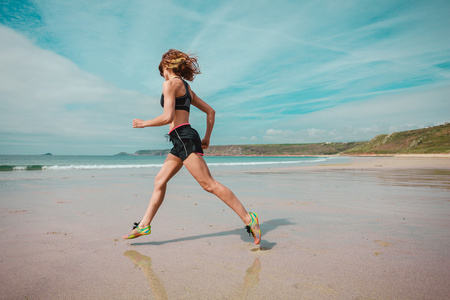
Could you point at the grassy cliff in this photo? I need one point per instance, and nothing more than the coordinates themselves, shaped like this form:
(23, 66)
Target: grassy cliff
(282, 149)
(421, 141)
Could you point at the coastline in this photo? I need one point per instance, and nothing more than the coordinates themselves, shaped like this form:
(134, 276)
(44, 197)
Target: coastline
(332, 231)
(443, 155)
(391, 162)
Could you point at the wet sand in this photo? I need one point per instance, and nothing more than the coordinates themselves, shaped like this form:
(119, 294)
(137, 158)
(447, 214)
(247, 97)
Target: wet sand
(370, 228)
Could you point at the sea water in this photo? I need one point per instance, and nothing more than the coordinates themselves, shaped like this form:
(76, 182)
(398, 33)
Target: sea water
(17, 163)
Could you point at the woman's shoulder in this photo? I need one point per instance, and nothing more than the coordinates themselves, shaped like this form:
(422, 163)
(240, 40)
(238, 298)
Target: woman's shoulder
(176, 85)
(173, 83)
(179, 83)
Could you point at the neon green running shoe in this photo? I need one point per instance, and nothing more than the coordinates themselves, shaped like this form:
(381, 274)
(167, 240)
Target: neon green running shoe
(137, 232)
(253, 228)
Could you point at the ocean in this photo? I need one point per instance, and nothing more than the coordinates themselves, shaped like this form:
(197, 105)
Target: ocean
(16, 163)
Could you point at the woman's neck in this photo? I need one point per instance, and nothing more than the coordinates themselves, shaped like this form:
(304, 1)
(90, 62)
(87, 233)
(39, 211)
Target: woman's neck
(169, 75)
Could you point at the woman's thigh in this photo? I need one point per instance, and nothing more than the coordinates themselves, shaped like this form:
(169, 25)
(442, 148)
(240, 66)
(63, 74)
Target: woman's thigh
(171, 166)
(198, 168)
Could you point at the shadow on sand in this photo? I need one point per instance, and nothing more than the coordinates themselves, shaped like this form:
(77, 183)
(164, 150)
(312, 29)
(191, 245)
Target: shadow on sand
(266, 227)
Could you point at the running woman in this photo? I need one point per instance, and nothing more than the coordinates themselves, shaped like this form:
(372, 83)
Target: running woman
(176, 67)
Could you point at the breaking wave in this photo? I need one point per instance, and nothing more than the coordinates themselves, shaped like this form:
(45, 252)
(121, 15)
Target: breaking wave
(157, 165)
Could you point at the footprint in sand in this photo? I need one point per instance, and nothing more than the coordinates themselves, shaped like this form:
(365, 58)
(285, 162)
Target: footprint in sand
(383, 244)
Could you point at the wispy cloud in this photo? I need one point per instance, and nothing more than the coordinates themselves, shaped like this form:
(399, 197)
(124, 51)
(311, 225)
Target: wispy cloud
(275, 71)
(47, 99)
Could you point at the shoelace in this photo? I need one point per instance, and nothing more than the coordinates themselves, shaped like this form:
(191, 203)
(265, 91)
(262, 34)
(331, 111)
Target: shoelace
(249, 230)
(136, 224)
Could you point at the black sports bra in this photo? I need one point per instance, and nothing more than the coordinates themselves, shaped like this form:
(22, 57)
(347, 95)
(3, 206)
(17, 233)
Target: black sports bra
(183, 102)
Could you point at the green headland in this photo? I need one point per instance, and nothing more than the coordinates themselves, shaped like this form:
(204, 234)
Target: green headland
(431, 140)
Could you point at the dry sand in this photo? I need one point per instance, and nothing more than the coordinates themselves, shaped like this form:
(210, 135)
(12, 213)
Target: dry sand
(373, 228)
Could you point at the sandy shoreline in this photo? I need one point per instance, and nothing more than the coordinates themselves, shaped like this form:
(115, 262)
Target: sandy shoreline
(393, 162)
(423, 155)
(371, 228)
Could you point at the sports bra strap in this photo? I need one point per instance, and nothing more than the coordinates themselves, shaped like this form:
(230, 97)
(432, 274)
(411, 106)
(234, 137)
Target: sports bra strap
(186, 85)
(183, 102)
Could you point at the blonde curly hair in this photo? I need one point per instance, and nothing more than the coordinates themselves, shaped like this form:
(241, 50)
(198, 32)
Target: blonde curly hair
(182, 64)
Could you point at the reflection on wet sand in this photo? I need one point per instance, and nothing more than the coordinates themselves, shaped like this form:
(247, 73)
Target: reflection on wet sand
(144, 263)
(431, 178)
(251, 278)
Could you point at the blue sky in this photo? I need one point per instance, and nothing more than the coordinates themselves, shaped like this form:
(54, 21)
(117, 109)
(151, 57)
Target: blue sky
(73, 74)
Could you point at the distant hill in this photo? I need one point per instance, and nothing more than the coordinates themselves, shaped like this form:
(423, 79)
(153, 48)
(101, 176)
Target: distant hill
(420, 141)
(152, 152)
(281, 149)
(146, 153)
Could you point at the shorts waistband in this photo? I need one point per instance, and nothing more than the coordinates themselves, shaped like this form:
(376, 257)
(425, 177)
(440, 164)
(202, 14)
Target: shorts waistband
(181, 125)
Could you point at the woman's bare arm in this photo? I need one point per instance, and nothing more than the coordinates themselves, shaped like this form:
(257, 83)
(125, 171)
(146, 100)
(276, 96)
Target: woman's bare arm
(210, 118)
(169, 92)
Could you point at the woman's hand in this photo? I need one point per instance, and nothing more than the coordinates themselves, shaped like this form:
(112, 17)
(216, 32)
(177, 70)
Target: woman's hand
(138, 123)
(205, 143)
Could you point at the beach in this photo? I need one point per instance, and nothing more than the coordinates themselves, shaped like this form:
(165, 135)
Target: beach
(361, 228)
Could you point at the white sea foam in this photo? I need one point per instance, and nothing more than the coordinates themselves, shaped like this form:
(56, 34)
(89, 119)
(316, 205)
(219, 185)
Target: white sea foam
(235, 163)
(20, 168)
(100, 167)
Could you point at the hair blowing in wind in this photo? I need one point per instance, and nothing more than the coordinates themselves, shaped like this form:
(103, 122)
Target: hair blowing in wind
(182, 64)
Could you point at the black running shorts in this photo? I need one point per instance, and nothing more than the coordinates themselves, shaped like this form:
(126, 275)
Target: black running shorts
(185, 140)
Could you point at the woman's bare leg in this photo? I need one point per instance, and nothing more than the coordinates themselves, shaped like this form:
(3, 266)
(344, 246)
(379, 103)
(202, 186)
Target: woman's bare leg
(171, 166)
(198, 168)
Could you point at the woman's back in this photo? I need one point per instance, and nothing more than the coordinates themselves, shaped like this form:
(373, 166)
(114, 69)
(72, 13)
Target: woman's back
(183, 100)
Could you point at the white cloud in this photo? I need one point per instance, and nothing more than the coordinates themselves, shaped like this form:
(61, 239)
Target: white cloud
(279, 71)
(276, 132)
(276, 135)
(363, 120)
(48, 100)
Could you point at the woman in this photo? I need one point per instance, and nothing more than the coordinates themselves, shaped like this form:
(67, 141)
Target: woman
(176, 67)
